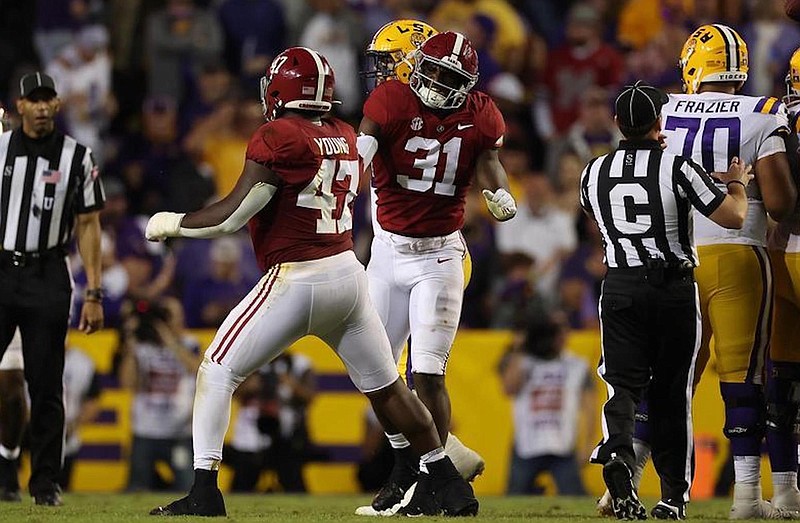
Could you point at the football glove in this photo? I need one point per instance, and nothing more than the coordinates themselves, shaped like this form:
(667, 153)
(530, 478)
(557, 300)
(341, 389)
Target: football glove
(163, 225)
(500, 203)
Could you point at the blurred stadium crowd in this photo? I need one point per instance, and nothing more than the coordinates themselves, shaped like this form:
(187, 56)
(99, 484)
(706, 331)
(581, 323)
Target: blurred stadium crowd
(165, 92)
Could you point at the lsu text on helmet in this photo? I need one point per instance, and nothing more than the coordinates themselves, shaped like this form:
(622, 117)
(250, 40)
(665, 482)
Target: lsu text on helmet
(446, 69)
(391, 51)
(299, 78)
(713, 53)
(792, 97)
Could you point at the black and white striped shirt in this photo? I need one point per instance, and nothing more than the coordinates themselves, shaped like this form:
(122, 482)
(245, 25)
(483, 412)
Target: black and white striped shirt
(640, 198)
(45, 183)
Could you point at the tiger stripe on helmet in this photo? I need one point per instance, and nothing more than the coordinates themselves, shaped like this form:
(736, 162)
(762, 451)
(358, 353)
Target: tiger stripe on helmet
(731, 46)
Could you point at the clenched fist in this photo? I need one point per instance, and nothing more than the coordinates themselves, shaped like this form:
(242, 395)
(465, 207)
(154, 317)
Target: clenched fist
(163, 225)
(500, 203)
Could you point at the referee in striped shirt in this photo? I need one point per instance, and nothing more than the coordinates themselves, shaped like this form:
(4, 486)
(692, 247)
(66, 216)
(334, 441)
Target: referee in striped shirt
(641, 199)
(49, 190)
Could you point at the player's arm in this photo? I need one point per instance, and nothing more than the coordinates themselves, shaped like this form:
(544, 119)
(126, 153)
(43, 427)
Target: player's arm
(732, 210)
(367, 141)
(777, 188)
(367, 145)
(492, 177)
(254, 189)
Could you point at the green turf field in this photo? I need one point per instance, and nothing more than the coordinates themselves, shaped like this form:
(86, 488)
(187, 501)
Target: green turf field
(118, 508)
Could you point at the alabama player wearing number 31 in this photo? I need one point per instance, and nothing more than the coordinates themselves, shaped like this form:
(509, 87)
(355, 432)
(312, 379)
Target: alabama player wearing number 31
(300, 178)
(426, 140)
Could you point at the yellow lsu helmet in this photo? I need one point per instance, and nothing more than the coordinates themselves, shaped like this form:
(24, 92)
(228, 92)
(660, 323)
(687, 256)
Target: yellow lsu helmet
(793, 81)
(713, 53)
(392, 48)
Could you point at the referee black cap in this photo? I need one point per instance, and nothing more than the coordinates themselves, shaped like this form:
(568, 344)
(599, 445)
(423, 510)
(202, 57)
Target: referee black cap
(638, 107)
(35, 81)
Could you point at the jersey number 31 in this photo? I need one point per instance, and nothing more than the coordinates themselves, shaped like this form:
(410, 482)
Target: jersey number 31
(428, 165)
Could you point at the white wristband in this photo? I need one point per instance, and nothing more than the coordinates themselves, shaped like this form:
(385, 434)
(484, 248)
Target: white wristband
(367, 146)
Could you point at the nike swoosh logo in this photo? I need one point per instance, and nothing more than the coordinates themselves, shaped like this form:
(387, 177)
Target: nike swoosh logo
(463, 126)
(442, 260)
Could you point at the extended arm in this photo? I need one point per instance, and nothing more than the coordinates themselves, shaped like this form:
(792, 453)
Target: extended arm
(255, 188)
(492, 176)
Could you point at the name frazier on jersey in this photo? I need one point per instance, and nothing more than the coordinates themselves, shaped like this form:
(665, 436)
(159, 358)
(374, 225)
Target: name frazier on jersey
(332, 146)
(721, 106)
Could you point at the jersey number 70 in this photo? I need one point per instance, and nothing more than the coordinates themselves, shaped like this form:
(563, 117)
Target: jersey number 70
(732, 126)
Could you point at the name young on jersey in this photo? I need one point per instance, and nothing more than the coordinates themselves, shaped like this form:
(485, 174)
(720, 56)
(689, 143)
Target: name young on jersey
(716, 106)
(332, 146)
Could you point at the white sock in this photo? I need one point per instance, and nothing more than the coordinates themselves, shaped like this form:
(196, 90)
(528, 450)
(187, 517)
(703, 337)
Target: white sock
(747, 469)
(746, 492)
(212, 407)
(431, 457)
(784, 479)
(397, 441)
(642, 451)
(9, 454)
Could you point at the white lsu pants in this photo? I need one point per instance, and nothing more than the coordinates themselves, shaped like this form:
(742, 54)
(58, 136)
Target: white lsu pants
(327, 298)
(417, 286)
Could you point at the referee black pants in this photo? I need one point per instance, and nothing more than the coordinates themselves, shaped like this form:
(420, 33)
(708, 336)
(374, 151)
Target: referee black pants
(650, 336)
(36, 298)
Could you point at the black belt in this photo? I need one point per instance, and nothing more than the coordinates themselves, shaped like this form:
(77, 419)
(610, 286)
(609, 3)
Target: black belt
(23, 259)
(655, 274)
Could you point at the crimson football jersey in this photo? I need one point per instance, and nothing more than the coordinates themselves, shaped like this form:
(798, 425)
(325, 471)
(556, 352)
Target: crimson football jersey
(426, 159)
(310, 217)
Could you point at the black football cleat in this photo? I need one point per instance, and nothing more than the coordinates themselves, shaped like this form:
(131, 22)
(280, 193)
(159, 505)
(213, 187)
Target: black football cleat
(49, 497)
(199, 502)
(390, 495)
(624, 501)
(10, 495)
(442, 491)
(456, 497)
(9, 482)
(423, 502)
(668, 509)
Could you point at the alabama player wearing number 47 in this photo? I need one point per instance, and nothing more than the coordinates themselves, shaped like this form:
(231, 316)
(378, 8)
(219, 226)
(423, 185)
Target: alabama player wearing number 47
(300, 178)
(426, 140)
